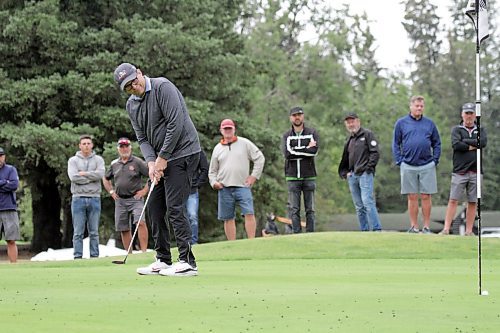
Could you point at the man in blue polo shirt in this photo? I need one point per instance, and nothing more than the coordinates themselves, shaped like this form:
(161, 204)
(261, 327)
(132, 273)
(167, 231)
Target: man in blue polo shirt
(416, 148)
(9, 220)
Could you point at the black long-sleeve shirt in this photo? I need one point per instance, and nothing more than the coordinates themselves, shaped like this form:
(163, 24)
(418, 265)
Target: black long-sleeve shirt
(464, 160)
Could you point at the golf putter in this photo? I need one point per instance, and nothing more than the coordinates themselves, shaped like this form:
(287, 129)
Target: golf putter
(121, 262)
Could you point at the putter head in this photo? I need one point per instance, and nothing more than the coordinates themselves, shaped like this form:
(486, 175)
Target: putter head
(118, 262)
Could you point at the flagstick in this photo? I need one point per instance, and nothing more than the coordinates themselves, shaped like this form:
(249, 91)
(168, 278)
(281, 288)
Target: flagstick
(478, 163)
(473, 11)
(478, 152)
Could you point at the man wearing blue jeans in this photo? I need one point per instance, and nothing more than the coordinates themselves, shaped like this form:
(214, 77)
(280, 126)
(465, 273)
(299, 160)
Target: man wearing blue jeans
(85, 171)
(359, 159)
(193, 202)
(300, 145)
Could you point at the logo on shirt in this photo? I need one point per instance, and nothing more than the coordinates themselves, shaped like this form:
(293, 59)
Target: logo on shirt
(373, 143)
(131, 168)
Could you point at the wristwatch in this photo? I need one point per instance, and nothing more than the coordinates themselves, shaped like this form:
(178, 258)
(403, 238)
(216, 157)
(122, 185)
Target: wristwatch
(112, 191)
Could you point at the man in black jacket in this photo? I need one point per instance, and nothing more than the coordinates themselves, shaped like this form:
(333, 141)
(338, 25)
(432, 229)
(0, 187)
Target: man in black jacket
(300, 145)
(464, 175)
(359, 159)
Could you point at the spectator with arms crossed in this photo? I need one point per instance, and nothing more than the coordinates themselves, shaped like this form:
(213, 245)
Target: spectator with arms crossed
(464, 175)
(300, 145)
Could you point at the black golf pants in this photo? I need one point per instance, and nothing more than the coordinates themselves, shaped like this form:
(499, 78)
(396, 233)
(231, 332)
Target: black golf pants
(168, 199)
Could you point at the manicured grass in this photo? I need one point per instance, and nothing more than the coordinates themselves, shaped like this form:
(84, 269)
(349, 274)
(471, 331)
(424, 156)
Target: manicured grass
(323, 282)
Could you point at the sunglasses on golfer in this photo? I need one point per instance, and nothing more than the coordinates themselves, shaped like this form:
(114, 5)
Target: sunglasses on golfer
(128, 86)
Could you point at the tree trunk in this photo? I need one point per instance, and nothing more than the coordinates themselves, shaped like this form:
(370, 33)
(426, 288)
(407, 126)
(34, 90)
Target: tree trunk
(46, 204)
(67, 226)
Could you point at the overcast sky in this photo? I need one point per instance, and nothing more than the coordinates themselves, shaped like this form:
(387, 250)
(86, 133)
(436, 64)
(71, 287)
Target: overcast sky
(391, 38)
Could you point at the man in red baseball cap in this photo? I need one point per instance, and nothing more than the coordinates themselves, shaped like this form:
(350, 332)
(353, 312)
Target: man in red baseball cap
(229, 174)
(124, 183)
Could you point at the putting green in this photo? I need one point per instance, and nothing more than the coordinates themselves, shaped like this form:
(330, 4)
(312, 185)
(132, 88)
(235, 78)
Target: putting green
(268, 285)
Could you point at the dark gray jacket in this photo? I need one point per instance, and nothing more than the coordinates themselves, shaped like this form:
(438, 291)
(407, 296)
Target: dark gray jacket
(161, 122)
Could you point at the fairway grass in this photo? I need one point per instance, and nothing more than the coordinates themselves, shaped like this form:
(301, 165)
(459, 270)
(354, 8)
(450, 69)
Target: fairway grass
(322, 282)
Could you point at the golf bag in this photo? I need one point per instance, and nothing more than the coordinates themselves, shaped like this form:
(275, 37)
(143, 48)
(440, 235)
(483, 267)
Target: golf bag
(271, 228)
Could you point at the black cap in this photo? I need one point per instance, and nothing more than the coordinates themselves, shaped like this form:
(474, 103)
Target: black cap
(469, 107)
(296, 110)
(351, 115)
(124, 74)
(2, 152)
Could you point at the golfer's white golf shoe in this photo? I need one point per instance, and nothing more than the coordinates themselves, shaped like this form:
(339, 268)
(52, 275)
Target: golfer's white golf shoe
(153, 269)
(180, 268)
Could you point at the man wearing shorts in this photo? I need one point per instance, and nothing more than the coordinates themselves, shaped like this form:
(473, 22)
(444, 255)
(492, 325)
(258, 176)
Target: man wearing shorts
(9, 220)
(416, 148)
(464, 175)
(229, 173)
(128, 192)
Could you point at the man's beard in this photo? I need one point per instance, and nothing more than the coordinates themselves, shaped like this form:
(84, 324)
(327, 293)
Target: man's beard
(353, 130)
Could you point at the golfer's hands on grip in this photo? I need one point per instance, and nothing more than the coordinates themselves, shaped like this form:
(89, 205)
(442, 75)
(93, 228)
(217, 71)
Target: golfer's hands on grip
(156, 169)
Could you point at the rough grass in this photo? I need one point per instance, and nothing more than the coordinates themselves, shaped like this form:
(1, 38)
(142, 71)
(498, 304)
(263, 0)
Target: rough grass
(322, 282)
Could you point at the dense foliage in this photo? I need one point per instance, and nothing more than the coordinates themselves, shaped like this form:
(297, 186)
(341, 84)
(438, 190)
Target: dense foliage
(240, 59)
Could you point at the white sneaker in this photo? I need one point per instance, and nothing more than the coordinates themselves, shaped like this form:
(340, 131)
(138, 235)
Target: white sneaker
(153, 269)
(180, 268)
